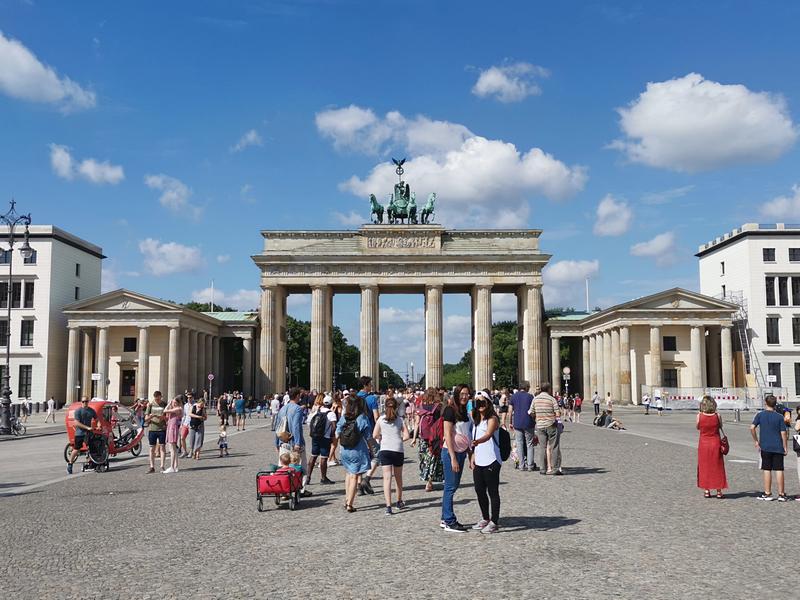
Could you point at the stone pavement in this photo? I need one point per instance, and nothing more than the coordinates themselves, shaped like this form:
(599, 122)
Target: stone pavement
(626, 521)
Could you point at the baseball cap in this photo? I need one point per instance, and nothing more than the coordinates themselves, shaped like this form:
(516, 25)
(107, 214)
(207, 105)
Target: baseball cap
(327, 401)
(346, 393)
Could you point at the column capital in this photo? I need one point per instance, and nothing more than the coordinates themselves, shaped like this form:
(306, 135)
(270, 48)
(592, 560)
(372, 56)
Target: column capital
(269, 286)
(434, 286)
(483, 286)
(369, 286)
(321, 286)
(145, 326)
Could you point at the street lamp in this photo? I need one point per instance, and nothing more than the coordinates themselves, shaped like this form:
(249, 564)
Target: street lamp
(11, 219)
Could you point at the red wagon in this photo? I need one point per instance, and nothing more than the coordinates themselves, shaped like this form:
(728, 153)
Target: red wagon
(279, 485)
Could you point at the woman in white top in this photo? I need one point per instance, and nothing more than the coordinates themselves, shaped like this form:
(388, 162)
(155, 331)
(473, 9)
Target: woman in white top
(390, 430)
(485, 462)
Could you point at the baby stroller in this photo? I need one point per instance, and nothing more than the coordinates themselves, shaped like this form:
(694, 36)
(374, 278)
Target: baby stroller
(279, 485)
(97, 453)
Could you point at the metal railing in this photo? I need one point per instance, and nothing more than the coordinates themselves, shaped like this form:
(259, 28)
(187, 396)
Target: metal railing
(687, 398)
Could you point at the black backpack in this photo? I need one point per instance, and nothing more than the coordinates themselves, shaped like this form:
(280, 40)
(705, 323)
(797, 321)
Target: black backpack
(319, 425)
(504, 444)
(350, 435)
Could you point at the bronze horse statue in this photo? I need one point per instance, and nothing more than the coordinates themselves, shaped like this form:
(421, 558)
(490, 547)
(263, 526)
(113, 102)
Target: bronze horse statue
(376, 209)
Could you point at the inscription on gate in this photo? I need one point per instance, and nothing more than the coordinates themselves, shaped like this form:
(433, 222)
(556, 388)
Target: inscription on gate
(401, 242)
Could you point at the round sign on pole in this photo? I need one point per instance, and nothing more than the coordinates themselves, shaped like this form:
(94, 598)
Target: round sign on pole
(565, 370)
(211, 377)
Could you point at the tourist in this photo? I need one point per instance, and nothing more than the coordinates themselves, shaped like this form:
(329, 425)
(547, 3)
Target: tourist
(157, 430)
(454, 452)
(391, 431)
(659, 405)
(546, 412)
(523, 427)
(290, 417)
(609, 402)
(503, 409)
(372, 412)
(174, 415)
(430, 452)
(186, 431)
(772, 443)
(274, 408)
(240, 404)
(578, 405)
(51, 409)
(646, 403)
(353, 430)
(82, 418)
(710, 461)
(222, 409)
(796, 445)
(485, 462)
(337, 410)
(321, 428)
(222, 440)
(596, 403)
(198, 425)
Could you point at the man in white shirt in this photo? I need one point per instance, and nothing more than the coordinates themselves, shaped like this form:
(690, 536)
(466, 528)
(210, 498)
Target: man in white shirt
(185, 421)
(596, 403)
(274, 408)
(51, 410)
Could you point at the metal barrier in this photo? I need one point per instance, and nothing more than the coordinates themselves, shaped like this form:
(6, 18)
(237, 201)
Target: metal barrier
(737, 399)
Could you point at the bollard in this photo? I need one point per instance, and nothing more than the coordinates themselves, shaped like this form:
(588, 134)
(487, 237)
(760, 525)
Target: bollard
(38, 405)
(737, 415)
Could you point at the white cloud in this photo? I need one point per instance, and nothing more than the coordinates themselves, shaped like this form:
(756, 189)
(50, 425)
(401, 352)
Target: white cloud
(504, 307)
(614, 217)
(223, 258)
(242, 299)
(692, 124)
(667, 195)
(174, 195)
(99, 173)
(662, 248)
(108, 279)
(249, 138)
(783, 207)
(509, 83)
(564, 282)
(389, 314)
(350, 219)
(24, 77)
(167, 258)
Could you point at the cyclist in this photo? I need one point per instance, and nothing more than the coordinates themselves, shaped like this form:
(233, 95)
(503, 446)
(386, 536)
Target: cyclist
(83, 426)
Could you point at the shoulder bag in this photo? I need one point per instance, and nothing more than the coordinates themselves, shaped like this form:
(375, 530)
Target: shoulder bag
(724, 444)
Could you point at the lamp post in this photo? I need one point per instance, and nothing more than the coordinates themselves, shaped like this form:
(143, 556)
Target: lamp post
(11, 219)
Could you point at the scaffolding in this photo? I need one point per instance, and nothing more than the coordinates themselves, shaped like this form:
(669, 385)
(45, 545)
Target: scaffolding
(744, 334)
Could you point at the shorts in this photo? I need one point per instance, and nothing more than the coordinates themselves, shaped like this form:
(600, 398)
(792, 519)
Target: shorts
(184, 431)
(320, 446)
(157, 436)
(771, 461)
(79, 441)
(239, 414)
(389, 458)
(223, 445)
(577, 409)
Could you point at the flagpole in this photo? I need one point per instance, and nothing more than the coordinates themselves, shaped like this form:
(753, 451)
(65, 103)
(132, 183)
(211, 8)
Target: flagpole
(211, 309)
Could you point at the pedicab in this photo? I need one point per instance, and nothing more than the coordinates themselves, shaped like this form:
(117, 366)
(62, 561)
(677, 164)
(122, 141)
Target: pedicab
(112, 434)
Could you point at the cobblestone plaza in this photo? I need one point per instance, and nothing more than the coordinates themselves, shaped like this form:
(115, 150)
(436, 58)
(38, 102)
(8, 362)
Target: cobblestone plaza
(626, 521)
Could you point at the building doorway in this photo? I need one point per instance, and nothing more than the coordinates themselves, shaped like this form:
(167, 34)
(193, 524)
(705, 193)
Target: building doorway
(127, 385)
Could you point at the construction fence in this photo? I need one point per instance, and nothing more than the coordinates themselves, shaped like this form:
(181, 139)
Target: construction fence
(738, 398)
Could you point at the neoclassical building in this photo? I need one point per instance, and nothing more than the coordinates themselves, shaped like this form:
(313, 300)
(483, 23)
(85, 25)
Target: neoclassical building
(672, 339)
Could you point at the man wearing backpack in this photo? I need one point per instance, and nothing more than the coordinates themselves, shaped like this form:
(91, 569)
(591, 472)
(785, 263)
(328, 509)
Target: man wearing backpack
(290, 419)
(321, 427)
(522, 426)
(371, 403)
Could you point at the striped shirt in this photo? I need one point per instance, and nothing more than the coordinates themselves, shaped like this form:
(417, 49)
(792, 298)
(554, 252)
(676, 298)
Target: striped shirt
(545, 409)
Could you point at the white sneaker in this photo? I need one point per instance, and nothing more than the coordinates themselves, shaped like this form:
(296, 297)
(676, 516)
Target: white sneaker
(168, 471)
(490, 528)
(480, 525)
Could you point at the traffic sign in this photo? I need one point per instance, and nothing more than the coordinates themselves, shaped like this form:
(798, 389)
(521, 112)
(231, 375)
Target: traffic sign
(772, 378)
(211, 377)
(565, 370)
(97, 377)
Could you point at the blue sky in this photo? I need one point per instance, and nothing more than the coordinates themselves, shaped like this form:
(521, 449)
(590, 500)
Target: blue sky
(171, 133)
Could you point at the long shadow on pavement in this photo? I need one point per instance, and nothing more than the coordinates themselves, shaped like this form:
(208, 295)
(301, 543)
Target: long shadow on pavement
(544, 523)
(584, 470)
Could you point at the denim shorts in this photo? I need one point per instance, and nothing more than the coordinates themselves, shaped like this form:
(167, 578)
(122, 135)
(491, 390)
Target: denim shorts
(320, 446)
(157, 436)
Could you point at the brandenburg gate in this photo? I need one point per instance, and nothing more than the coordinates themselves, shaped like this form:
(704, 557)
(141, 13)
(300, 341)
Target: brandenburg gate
(399, 259)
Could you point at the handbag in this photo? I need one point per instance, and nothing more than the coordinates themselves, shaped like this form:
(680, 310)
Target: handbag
(796, 443)
(724, 444)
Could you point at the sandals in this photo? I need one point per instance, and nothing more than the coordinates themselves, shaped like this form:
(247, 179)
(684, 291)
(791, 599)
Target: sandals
(707, 494)
(350, 508)
(720, 495)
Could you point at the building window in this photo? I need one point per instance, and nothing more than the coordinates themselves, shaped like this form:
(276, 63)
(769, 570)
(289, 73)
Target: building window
(3, 333)
(3, 295)
(670, 343)
(770, 286)
(671, 378)
(25, 378)
(783, 291)
(31, 260)
(28, 302)
(774, 369)
(77, 269)
(769, 254)
(5, 257)
(797, 379)
(773, 336)
(796, 291)
(77, 293)
(794, 254)
(129, 344)
(26, 333)
(16, 294)
(3, 374)
(722, 268)
(796, 330)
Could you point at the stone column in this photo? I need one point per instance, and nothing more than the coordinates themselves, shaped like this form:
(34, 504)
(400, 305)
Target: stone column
(586, 367)
(369, 333)
(86, 365)
(102, 362)
(247, 366)
(600, 367)
(280, 344)
(173, 352)
(215, 368)
(532, 332)
(592, 367)
(555, 364)
(697, 357)
(713, 354)
(655, 356)
(191, 372)
(319, 332)
(209, 360)
(433, 336)
(200, 376)
(615, 388)
(183, 360)
(625, 365)
(727, 357)
(328, 387)
(482, 348)
(143, 374)
(73, 358)
(607, 379)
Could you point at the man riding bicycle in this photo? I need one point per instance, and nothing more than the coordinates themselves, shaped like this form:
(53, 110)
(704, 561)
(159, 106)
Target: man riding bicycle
(83, 426)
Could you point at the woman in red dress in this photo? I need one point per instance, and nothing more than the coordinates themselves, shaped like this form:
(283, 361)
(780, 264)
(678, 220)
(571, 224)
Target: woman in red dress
(710, 462)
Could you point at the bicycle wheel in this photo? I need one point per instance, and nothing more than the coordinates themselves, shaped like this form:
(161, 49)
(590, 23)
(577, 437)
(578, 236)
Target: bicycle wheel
(137, 449)
(67, 452)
